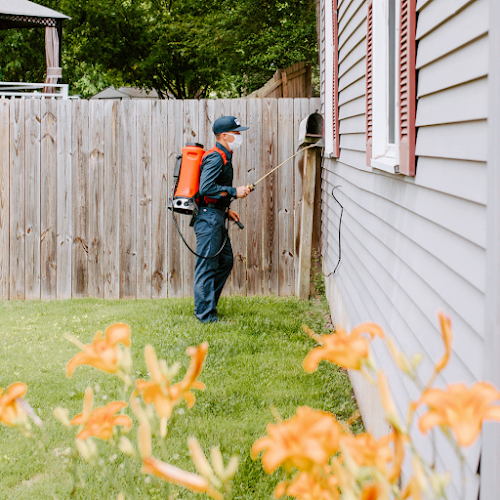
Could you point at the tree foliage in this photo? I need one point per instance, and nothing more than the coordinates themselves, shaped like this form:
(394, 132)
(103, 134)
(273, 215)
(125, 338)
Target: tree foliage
(188, 48)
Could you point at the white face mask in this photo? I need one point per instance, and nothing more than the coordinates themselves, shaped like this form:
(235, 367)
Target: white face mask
(237, 142)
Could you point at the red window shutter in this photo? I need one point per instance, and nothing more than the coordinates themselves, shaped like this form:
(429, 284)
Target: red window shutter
(407, 85)
(369, 82)
(335, 97)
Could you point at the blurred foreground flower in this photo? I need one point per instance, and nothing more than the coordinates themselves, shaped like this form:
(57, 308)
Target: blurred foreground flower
(222, 475)
(310, 486)
(366, 451)
(307, 439)
(460, 409)
(165, 471)
(101, 421)
(11, 412)
(159, 390)
(348, 351)
(104, 352)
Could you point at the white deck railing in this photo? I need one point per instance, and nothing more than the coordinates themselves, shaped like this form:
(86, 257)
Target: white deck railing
(34, 90)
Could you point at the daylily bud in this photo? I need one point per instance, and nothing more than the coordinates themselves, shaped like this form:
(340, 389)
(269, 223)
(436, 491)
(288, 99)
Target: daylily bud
(145, 439)
(87, 449)
(224, 474)
(173, 370)
(152, 364)
(126, 362)
(163, 427)
(217, 461)
(201, 462)
(126, 447)
(416, 359)
(62, 414)
(399, 357)
(387, 401)
(92, 447)
(439, 483)
(88, 400)
(231, 469)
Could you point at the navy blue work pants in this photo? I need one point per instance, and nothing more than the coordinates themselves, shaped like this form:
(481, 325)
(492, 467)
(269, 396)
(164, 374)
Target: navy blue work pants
(210, 275)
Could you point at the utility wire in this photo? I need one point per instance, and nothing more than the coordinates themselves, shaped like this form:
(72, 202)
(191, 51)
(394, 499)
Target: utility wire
(340, 227)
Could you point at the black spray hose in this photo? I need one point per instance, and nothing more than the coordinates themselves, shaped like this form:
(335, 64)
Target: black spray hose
(191, 250)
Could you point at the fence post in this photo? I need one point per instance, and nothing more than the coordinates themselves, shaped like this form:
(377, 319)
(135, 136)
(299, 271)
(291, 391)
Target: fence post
(303, 279)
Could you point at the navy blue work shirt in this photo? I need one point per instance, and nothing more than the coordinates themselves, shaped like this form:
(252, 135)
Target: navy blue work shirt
(216, 177)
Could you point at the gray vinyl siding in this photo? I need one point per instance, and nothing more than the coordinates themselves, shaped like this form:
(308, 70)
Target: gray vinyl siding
(411, 246)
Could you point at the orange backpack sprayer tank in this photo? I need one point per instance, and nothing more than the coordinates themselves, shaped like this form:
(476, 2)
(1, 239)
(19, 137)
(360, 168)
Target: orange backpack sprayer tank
(185, 193)
(187, 179)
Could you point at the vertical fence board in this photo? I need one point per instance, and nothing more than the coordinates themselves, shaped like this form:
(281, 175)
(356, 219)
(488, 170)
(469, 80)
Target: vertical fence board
(191, 134)
(270, 196)
(222, 108)
(128, 201)
(175, 138)
(300, 111)
(239, 236)
(206, 118)
(314, 106)
(254, 169)
(96, 198)
(64, 198)
(111, 197)
(205, 122)
(17, 175)
(159, 191)
(32, 199)
(4, 197)
(80, 199)
(48, 200)
(144, 197)
(285, 200)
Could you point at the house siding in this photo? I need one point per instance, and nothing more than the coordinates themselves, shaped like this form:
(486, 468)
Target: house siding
(412, 246)
(322, 57)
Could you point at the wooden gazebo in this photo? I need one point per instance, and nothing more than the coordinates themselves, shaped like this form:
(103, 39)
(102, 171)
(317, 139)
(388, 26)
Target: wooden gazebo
(26, 14)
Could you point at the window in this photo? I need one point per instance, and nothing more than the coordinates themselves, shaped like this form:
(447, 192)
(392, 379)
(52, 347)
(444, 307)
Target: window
(391, 85)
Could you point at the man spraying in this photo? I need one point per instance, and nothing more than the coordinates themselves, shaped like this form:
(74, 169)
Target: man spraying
(216, 192)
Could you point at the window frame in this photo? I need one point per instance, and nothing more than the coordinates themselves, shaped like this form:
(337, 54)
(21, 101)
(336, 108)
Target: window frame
(385, 156)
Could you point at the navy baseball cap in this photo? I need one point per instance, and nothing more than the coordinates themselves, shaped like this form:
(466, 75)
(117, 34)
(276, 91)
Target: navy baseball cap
(227, 124)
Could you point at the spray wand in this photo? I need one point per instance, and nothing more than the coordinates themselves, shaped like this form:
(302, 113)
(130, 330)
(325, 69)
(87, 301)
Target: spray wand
(252, 186)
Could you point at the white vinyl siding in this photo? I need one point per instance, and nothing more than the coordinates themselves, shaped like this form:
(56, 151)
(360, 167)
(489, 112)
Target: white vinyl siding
(411, 246)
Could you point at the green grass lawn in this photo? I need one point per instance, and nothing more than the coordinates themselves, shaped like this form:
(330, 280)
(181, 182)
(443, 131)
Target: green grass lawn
(254, 362)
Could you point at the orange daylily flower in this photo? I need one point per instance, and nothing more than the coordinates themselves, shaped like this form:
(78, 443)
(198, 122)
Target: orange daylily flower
(11, 413)
(366, 451)
(104, 353)
(307, 486)
(445, 322)
(310, 437)
(160, 393)
(374, 491)
(348, 351)
(101, 421)
(461, 409)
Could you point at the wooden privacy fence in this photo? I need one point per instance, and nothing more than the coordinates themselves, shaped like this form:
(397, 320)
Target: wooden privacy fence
(294, 81)
(84, 188)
